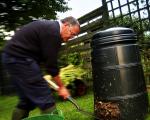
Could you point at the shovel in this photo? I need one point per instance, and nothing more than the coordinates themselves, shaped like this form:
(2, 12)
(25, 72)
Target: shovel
(56, 87)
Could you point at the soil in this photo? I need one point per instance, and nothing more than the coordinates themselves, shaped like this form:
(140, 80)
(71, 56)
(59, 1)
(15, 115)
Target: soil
(107, 110)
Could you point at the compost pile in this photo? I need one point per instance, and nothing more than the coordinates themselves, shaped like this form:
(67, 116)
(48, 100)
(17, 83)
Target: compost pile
(107, 110)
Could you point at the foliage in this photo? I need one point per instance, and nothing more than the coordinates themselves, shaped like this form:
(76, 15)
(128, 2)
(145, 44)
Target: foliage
(147, 37)
(2, 42)
(135, 23)
(145, 52)
(14, 13)
(72, 58)
(69, 74)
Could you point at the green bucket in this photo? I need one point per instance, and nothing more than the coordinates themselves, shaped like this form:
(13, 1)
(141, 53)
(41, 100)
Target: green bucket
(56, 115)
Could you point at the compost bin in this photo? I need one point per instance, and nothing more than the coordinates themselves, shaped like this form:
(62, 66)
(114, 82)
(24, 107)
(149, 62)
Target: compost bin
(119, 85)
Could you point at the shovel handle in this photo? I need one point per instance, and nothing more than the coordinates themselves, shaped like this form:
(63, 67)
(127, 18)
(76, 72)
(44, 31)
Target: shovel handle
(56, 87)
(52, 84)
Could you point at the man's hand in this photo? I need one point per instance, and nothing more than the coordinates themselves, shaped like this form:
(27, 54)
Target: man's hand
(63, 92)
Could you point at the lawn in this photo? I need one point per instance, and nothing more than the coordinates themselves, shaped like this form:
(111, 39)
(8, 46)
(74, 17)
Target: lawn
(86, 102)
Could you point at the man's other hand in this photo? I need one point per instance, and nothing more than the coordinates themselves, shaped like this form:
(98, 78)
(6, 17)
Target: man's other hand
(63, 92)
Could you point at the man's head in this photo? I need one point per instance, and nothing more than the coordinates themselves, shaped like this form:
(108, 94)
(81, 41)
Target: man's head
(70, 28)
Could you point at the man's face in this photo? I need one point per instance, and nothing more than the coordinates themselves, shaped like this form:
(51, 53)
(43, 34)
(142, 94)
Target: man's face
(69, 31)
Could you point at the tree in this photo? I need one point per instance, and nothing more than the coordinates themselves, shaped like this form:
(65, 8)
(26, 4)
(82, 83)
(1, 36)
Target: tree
(14, 13)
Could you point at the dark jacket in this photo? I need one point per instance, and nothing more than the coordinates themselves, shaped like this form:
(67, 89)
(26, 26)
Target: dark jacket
(39, 40)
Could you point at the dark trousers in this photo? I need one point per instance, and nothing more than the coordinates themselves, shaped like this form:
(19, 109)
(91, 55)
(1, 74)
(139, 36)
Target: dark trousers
(32, 89)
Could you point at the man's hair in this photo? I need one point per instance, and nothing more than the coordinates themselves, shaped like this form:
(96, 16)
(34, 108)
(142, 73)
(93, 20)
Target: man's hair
(71, 20)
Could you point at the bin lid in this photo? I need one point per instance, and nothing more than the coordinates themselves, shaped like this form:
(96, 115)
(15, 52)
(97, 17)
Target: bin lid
(113, 31)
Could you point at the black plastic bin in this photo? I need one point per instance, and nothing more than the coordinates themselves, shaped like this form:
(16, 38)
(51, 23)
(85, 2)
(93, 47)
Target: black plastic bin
(119, 85)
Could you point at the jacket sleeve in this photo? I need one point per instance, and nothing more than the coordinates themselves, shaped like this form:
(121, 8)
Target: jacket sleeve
(51, 63)
(50, 44)
(50, 52)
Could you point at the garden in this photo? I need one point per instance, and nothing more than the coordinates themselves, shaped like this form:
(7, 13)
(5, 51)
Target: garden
(86, 102)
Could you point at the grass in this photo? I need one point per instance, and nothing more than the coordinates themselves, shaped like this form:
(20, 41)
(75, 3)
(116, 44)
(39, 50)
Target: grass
(7, 103)
(148, 116)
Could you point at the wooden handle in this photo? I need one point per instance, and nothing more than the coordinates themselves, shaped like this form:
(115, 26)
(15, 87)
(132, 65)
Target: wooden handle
(51, 83)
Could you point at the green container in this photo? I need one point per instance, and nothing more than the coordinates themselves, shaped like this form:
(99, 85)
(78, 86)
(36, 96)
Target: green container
(56, 115)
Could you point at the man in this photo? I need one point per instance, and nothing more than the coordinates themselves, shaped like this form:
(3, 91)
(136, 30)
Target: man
(37, 42)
